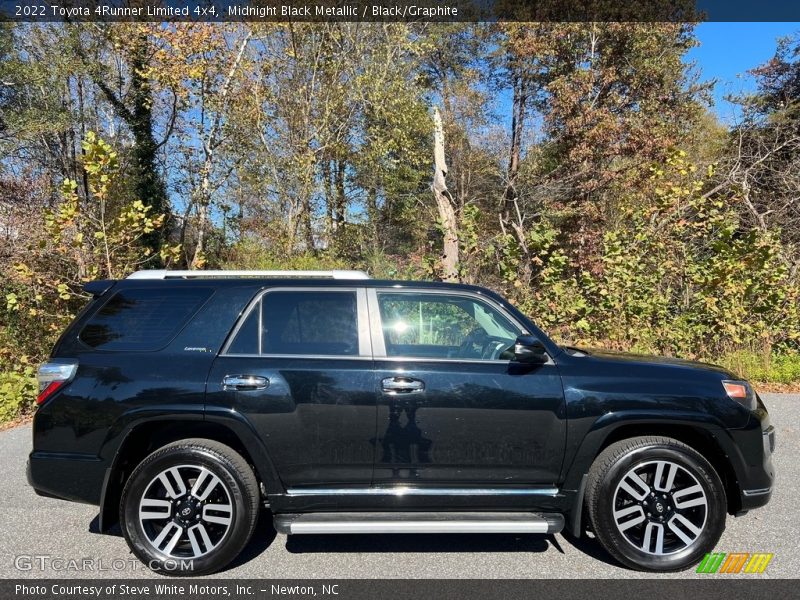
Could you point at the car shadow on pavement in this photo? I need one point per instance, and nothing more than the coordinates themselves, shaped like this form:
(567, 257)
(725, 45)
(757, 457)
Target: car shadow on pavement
(94, 527)
(589, 546)
(454, 542)
(263, 536)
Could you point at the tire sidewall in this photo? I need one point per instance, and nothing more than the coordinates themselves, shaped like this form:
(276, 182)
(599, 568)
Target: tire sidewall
(140, 479)
(715, 515)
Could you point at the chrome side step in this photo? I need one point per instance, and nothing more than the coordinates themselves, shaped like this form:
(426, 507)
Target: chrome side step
(419, 522)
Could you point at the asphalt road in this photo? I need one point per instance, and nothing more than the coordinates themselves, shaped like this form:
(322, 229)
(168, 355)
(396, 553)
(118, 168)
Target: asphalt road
(31, 526)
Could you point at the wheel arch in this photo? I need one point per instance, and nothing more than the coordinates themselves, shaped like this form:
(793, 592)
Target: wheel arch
(700, 435)
(147, 435)
(702, 440)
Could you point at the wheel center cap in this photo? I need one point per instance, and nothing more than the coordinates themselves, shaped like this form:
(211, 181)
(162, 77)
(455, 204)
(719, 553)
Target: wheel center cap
(186, 510)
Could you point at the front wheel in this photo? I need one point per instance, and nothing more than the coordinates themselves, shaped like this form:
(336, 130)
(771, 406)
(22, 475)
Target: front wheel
(655, 504)
(190, 507)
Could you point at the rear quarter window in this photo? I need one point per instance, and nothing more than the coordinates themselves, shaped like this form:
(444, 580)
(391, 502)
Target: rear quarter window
(142, 319)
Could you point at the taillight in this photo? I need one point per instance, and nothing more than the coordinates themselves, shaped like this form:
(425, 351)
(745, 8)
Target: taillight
(742, 392)
(52, 376)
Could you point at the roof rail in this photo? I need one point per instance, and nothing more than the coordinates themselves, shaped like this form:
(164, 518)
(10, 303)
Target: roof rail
(166, 274)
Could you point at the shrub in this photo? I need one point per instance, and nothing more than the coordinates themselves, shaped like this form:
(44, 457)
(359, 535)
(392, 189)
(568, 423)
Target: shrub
(17, 392)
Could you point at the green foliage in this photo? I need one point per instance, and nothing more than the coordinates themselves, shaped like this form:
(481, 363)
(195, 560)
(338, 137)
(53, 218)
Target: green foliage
(681, 274)
(17, 391)
(769, 368)
(250, 254)
(78, 240)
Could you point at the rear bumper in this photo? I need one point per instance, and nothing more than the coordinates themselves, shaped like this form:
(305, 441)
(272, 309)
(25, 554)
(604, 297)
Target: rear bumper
(78, 478)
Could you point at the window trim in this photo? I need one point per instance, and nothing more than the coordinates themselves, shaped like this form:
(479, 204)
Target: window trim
(376, 330)
(362, 324)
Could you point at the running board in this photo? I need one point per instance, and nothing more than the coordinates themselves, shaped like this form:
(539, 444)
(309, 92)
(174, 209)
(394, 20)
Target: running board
(419, 522)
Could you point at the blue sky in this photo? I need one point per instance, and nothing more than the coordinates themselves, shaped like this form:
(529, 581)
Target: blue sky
(728, 50)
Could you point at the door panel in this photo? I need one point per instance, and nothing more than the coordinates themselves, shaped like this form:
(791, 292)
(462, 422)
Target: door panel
(299, 368)
(316, 416)
(472, 417)
(474, 424)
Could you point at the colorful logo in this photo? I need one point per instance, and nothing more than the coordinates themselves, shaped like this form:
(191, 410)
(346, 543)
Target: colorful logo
(735, 562)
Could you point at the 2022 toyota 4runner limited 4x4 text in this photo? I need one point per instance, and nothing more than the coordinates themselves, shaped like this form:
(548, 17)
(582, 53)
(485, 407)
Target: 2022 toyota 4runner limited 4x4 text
(181, 403)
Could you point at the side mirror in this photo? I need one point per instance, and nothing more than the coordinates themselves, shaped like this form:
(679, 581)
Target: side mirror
(528, 349)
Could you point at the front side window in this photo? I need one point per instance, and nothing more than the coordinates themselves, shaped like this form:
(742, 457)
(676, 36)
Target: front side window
(420, 325)
(300, 323)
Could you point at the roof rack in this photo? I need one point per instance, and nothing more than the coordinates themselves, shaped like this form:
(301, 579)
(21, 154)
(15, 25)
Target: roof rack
(166, 274)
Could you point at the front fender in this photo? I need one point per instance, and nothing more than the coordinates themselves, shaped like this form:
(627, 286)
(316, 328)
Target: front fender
(594, 435)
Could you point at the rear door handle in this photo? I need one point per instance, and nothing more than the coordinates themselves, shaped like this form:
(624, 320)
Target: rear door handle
(402, 385)
(244, 383)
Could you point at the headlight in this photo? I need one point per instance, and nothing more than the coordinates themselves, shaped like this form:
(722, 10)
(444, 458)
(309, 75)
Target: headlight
(742, 392)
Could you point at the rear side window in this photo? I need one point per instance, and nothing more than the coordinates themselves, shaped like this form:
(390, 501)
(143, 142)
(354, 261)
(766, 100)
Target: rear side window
(300, 323)
(142, 319)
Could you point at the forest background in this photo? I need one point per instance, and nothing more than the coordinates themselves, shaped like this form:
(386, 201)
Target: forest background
(582, 173)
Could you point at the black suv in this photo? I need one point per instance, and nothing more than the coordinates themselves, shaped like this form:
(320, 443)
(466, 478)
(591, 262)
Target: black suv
(183, 402)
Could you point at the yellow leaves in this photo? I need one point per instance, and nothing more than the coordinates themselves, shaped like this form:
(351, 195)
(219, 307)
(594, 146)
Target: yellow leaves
(68, 187)
(23, 271)
(199, 261)
(170, 253)
(100, 164)
(12, 302)
(95, 236)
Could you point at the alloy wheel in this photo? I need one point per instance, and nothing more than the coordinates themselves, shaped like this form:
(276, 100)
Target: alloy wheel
(660, 507)
(186, 511)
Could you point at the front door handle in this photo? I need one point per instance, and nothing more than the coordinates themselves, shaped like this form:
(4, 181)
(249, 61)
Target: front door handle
(244, 383)
(402, 385)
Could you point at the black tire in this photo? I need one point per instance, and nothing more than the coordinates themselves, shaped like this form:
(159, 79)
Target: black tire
(605, 494)
(236, 485)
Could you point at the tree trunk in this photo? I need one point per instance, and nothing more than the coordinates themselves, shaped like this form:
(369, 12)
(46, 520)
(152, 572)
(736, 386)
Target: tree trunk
(510, 215)
(209, 147)
(308, 229)
(203, 203)
(372, 216)
(444, 203)
(330, 202)
(340, 195)
(148, 184)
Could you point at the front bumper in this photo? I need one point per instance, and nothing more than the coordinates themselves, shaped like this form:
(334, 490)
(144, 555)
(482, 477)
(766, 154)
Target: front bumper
(754, 497)
(750, 451)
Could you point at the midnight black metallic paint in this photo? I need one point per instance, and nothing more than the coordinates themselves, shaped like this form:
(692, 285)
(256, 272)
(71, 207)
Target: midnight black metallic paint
(316, 418)
(476, 423)
(326, 422)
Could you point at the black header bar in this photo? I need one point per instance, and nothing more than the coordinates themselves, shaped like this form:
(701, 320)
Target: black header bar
(441, 11)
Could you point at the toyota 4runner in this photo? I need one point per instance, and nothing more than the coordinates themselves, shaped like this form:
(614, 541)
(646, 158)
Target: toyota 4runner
(182, 403)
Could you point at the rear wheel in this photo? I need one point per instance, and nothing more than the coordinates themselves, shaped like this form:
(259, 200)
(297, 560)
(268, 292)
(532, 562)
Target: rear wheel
(190, 507)
(655, 503)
